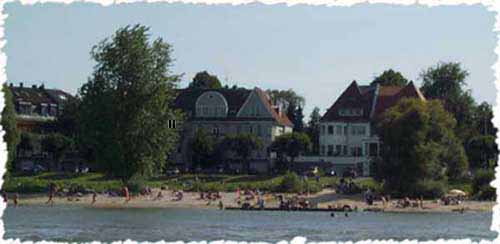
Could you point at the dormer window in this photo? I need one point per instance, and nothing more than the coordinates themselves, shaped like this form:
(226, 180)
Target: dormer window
(351, 112)
(44, 109)
(25, 108)
(53, 110)
(211, 104)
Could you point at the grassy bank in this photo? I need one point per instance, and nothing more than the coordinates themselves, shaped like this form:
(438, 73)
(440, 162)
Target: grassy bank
(188, 182)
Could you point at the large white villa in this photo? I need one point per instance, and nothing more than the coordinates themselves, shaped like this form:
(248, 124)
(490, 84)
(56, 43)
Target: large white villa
(347, 135)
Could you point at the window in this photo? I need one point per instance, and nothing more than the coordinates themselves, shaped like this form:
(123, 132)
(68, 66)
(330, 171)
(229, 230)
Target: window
(356, 151)
(322, 130)
(215, 131)
(373, 149)
(330, 129)
(338, 150)
(344, 151)
(322, 152)
(330, 150)
(171, 124)
(259, 130)
(339, 129)
(345, 129)
(44, 109)
(351, 112)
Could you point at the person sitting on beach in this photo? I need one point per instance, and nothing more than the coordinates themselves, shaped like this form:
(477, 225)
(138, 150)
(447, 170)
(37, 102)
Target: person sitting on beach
(5, 197)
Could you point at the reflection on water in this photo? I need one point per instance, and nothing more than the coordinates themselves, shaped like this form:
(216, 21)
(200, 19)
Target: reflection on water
(70, 223)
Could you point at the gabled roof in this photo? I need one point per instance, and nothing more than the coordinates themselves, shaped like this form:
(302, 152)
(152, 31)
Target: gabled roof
(38, 95)
(236, 98)
(374, 100)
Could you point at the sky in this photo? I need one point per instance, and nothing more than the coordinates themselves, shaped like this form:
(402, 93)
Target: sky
(315, 50)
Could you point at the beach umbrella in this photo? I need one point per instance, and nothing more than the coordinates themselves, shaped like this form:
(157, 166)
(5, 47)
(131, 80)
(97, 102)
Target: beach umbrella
(456, 192)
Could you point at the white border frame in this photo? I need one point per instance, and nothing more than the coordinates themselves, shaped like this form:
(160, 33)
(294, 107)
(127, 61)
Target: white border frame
(491, 5)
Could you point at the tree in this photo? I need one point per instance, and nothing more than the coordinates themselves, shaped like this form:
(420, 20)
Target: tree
(28, 143)
(418, 144)
(57, 145)
(291, 145)
(446, 82)
(204, 80)
(390, 78)
(12, 135)
(289, 98)
(243, 145)
(483, 119)
(482, 152)
(127, 102)
(298, 121)
(203, 149)
(313, 129)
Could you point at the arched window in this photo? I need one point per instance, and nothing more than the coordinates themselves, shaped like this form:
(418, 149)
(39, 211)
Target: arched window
(211, 104)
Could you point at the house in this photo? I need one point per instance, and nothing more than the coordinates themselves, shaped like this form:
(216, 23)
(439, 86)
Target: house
(231, 111)
(348, 138)
(37, 107)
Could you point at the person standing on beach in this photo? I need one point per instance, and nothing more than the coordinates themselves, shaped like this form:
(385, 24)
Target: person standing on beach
(52, 192)
(5, 197)
(126, 194)
(94, 196)
(15, 199)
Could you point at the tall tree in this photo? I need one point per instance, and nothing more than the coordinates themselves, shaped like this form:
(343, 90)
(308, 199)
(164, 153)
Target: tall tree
(390, 78)
(243, 145)
(204, 80)
(127, 102)
(289, 98)
(57, 145)
(298, 120)
(313, 130)
(203, 149)
(12, 135)
(446, 82)
(290, 145)
(419, 144)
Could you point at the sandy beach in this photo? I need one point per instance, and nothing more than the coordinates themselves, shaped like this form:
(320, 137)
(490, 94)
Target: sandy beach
(321, 200)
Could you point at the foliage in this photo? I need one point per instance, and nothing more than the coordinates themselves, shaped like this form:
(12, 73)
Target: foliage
(288, 97)
(203, 148)
(57, 145)
(481, 184)
(204, 80)
(127, 102)
(390, 78)
(291, 145)
(28, 142)
(419, 144)
(313, 130)
(291, 183)
(243, 145)
(12, 136)
(429, 189)
(482, 150)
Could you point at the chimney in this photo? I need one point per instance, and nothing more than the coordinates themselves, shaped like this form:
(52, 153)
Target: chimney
(42, 86)
(21, 84)
(33, 86)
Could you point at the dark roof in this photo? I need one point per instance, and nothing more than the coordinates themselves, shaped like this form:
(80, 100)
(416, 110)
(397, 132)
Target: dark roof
(38, 94)
(374, 100)
(186, 100)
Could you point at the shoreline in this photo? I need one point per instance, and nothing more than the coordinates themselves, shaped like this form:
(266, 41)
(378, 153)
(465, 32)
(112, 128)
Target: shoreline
(191, 200)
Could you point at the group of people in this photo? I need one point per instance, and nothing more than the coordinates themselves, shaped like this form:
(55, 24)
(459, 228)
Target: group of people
(407, 202)
(293, 203)
(347, 186)
(15, 198)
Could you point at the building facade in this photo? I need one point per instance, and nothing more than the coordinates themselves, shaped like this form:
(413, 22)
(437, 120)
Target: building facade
(231, 111)
(37, 107)
(348, 139)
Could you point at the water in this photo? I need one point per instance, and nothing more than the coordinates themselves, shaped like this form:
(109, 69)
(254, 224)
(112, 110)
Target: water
(72, 223)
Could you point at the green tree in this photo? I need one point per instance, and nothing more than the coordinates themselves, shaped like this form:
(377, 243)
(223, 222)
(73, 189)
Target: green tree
(482, 151)
(243, 145)
(127, 103)
(390, 78)
(204, 80)
(313, 130)
(418, 144)
(57, 145)
(29, 142)
(203, 148)
(290, 145)
(12, 135)
(446, 82)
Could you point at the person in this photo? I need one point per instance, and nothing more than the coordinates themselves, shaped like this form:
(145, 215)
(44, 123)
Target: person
(94, 196)
(126, 194)
(159, 196)
(221, 205)
(15, 199)
(5, 197)
(332, 215)
(52, 192)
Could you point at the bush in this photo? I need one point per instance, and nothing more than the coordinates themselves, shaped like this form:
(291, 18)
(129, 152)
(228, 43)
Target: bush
(481, 184)
(136, 185)
(430, 189)
(290, 183)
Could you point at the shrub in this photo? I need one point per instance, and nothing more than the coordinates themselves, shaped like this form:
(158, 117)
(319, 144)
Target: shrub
(429, 189)
(290, 183)
(136, 185)
(481, 184)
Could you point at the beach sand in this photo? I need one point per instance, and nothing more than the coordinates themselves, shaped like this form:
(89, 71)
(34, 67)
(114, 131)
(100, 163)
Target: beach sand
(192, 200)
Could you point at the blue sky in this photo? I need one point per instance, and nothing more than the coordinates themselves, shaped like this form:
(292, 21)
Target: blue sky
(317, 51)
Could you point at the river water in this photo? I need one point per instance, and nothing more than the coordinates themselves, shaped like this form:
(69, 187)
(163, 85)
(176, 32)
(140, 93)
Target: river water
(73, 223)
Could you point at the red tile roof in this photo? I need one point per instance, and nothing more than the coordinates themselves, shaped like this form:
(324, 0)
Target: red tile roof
(374, 100)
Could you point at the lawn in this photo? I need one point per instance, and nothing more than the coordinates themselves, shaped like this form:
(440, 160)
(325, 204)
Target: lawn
(188, 182)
